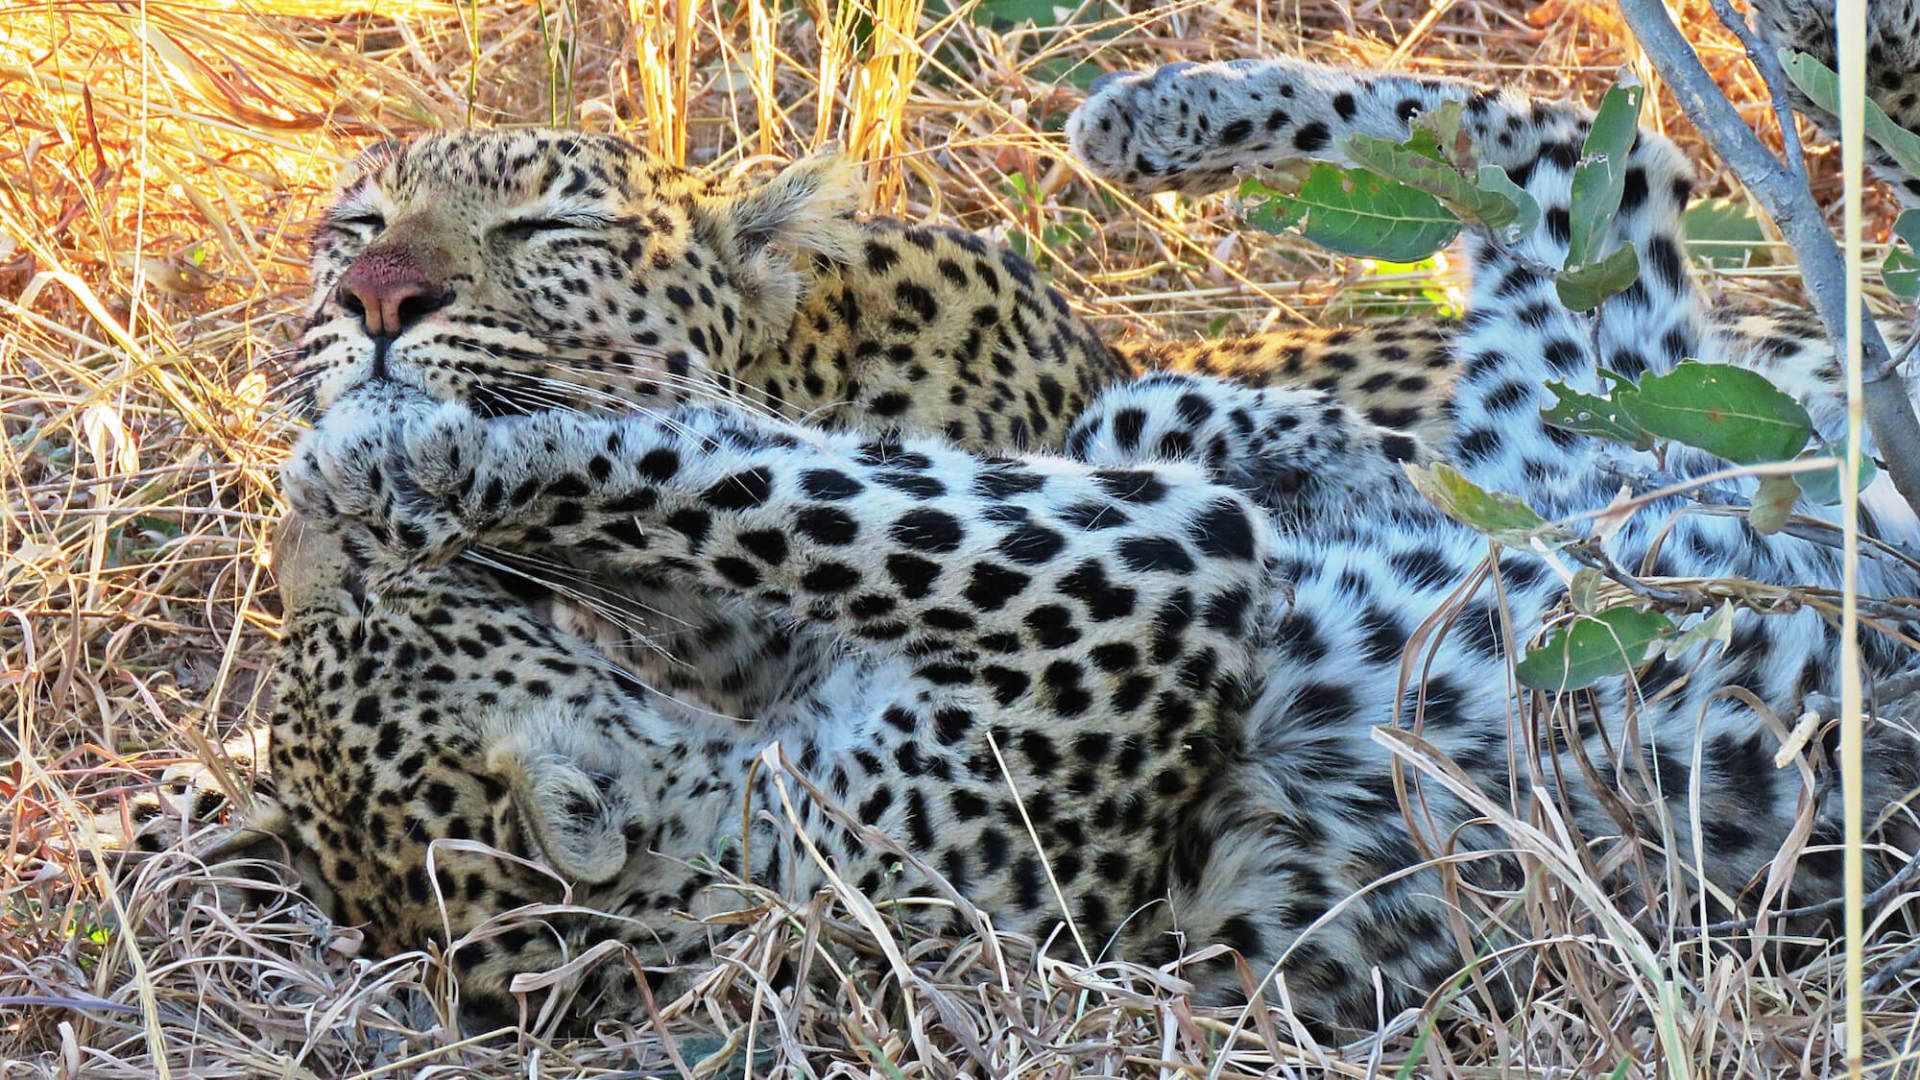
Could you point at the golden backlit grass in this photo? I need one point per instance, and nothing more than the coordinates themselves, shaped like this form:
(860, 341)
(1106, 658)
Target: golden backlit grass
(161, 163)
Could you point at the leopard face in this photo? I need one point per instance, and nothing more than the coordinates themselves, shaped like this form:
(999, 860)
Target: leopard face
(532, 269)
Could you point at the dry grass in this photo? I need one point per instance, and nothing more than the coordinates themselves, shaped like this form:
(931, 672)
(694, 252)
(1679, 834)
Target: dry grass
(161, 160)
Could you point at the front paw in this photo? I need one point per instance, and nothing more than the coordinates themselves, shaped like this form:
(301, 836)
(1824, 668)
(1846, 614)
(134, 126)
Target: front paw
(387, 473)
(1149, 131)
(1194, 128)
(1111, 130)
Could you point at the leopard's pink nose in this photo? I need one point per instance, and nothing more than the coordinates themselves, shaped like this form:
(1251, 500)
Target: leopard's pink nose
(391, 292)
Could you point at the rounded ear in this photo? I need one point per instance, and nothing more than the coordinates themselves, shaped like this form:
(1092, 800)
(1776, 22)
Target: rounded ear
(806, 207)
(578, 826)
(806, 210)
(310, 568)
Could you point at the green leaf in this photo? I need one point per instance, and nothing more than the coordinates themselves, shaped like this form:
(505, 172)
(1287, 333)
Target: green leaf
(1901, 271)
(1822, 486)
(1275, 215)
(1436, 132)
(1005, 14)
(1601, 176)
(1590, 415)
(1355, 212)
(1822, 87)
(1407, 290)
(1727, 411)
(1726, 232)
(1773, 504)
(1706, 629)
(1502, 517)
(1583, 286)
(1494, 180)
(1412, 164)
(1592, 647)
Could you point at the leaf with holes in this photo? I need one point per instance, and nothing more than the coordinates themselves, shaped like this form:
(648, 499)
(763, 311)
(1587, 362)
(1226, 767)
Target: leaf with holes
(1727, 411)
(1355, 212)
(1412, 164)
(1600, 178)
(1596, 416)
(1584, 286)
(1592, 647)
(1502, 517)
(1901, 271)
(1822, 87)
(1276, 212)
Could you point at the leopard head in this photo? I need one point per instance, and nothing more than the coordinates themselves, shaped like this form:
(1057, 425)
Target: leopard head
(520, 270)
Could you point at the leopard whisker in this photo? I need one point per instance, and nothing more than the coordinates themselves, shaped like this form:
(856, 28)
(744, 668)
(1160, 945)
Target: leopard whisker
(645, 378)
(606, 663)
(567, 573)
(740, 395)
(604, 608)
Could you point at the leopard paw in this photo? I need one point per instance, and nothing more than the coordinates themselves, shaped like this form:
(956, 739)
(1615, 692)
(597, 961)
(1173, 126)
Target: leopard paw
(388, 470)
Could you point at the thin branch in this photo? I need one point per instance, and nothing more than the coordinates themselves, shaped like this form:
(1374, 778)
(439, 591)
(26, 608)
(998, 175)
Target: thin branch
(1787, 199)
(1891, 971)
(1767, 62)
(1906, 876)
(1724, 500)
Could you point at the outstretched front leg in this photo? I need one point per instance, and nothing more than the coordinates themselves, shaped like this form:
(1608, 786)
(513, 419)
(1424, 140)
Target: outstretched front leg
(946, 556)
(1191, 126)
(1301, 454)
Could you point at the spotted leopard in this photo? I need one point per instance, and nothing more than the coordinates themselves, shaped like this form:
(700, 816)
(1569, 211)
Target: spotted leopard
(1166, 649)
(1173, 640)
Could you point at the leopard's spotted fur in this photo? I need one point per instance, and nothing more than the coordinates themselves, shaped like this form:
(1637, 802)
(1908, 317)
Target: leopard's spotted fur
(1172, 641)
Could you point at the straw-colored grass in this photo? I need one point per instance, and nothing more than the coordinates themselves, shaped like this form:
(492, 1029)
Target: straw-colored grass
(161, 162)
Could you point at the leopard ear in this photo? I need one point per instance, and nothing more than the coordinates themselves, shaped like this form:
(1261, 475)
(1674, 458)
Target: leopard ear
(804, 212)
(806, 207)
(577, 825)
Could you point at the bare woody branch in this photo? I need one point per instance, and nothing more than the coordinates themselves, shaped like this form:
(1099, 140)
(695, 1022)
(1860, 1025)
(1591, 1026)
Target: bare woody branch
(1783, 192)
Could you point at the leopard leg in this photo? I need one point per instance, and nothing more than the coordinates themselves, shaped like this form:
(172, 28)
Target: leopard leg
(1702, 768)
(1301, 454)
(912, 546)
(1145, 130)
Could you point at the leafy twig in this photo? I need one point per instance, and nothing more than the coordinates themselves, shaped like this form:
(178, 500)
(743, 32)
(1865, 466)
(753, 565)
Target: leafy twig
(1789, 201)
(1722, 499)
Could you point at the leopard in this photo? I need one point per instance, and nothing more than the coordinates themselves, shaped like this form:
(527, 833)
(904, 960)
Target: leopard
(1148, 682)
(1057, 673)
(598, 274)
(587, 273)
